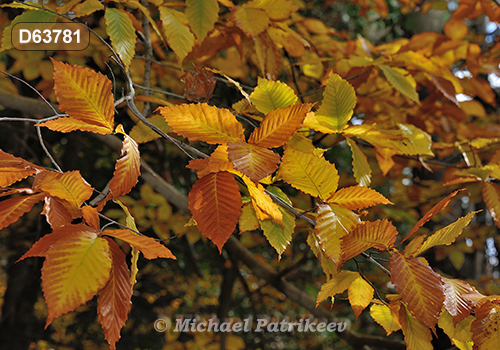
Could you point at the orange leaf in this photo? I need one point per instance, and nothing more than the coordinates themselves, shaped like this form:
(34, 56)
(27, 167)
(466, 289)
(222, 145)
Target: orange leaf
(262, 203)
(86, 96)
(252, 160)
(42, 246)
(380, 234)
(56, 213)
(114, 302)
(147, 245)
(13, 169)
(455, 29)
(215, 204)
(76, 267)
(434, 210)
(69, 186)
(420, 287)
(279, 126)
(457, 305)
(201, 122)
(486, 327)
(332, 223)
(358, 197)
(91, 216)
(491, 196)
(12, 209)
(127, 169)
(218, 161)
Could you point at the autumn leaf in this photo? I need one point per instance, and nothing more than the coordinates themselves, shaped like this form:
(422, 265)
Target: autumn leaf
(248, 219)
(114, 302)
(457, 301)
(128, 167)
(122, 34)
(358, 197)
(201, 122)
(179, 37)
(434, 210)
(382, 315)
(402, 81)
(91, 216)
(328, 265)
(446, 235)
(86, 96)
(339, 100)
(202, 15)
(361, 168)
(491, 196)
(268, 55)
(486, 327)
(252, 21)
(332, 223)
(262, 203)
(309, 173)
(456, 331)
(87, 7)
(380, 234)
(277, 10)
(279, 126)
(417, 335)
(279, 237)
(12, 209)
(56, 213)
(215, 204)
(360, 295)
(218, 161)
(269, 95)
(147, 245)
(420, 287)
(69, 186)
(142, 133)
(13, 169)
(253, 161)
(336, 285)
(76, 267)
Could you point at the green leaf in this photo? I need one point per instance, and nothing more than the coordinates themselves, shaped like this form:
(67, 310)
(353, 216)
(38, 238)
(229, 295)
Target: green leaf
(122, 34)
(202, 15)
(270, 95)
(361, 168)
(338, 103)
(279, 237)
(26, 17)
(179, 37)
(402, 81)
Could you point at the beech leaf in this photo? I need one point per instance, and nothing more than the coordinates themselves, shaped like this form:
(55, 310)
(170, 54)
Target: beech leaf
(358, 197)
(252, 160)
(491, 196)
(361, 168)
(177, 32)
(202, 15)
(336, 285)
(122, 34)
(147, 245)
(13, 169)
(12, 209)
(269, 95)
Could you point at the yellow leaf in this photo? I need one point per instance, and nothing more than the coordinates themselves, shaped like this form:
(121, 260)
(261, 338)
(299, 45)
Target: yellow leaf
(201, 122)
(446, 235)
(328, 265)
(252, 21)
(202, 15)
(339, 100)
(248, 220)
(459, 331)
(86, 96)
(76, 267)
(402, 81)
(142, 133)
(309, 173)
(491, 196)
(473, 108)
(87, 7)
(338, 284)
(268, 55)
(332, 223)
(361, 168)
(455, 29)
(122, 34)
(358, 197)
(279, 126)
(269, 95)
(263, 205)
(417, 335)
(382, 315)
(360, 294)
(177, 32)
(457, 259)
(277, 10)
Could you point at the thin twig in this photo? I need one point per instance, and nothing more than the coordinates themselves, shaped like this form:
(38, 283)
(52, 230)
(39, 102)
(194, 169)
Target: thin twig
(159, 91)
(40, 138)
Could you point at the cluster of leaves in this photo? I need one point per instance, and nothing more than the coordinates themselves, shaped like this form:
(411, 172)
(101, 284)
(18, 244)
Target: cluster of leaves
(395, 102)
